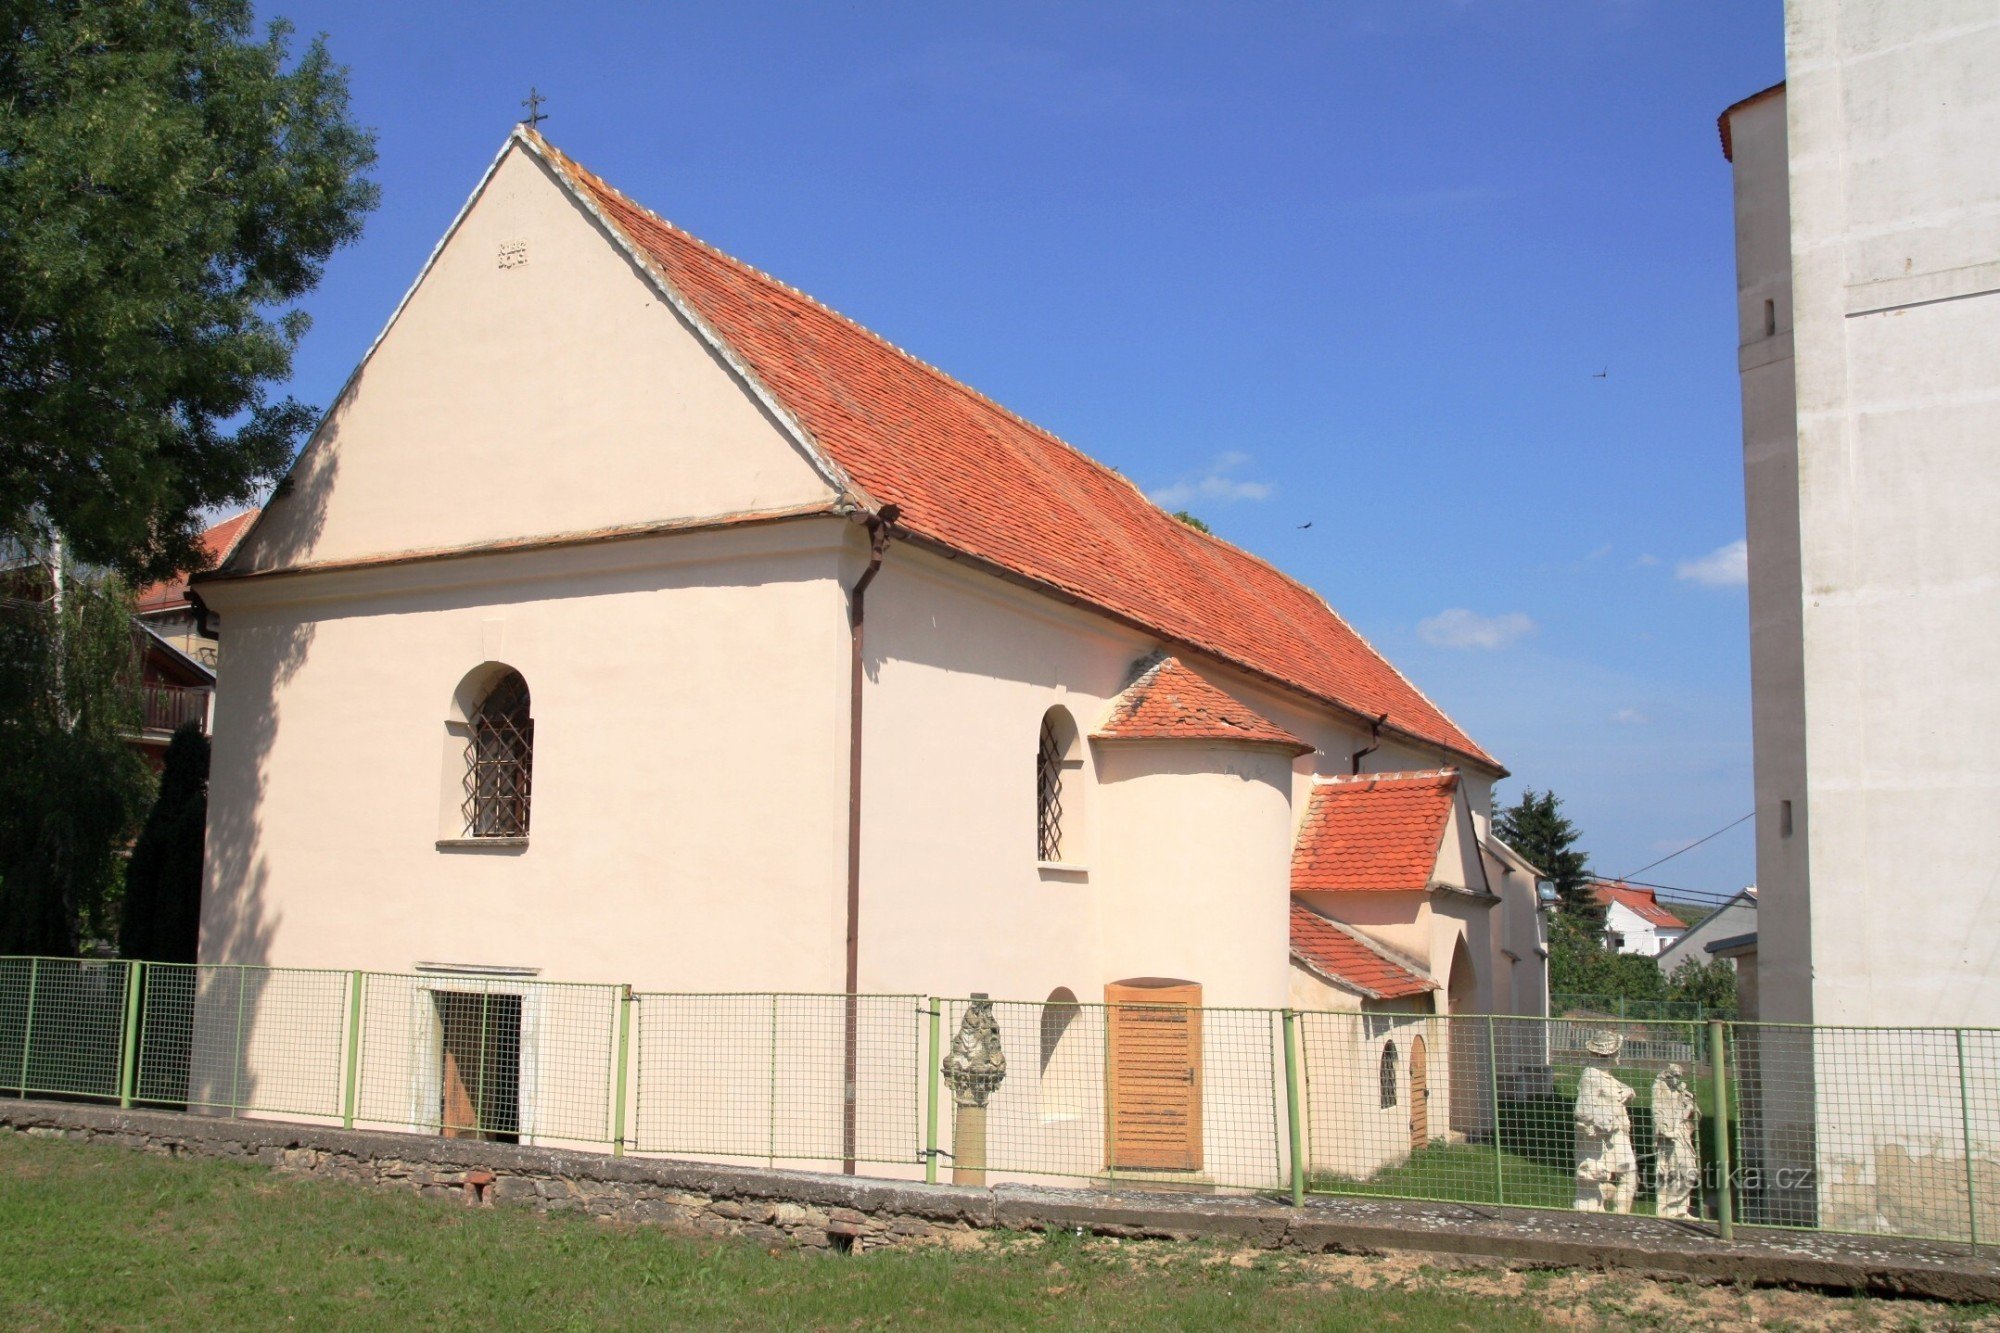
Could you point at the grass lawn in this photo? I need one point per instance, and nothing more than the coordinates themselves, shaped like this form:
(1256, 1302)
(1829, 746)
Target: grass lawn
(94, 1237)
(1463, 1173)
(97, 1236)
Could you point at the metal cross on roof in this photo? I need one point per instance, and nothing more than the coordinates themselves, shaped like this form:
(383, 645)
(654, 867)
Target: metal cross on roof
(533, 102)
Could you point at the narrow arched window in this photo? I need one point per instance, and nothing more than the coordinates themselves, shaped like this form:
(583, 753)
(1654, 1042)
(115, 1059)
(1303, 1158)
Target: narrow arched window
(1388, 1073)
(1058, 787)
(500, 761)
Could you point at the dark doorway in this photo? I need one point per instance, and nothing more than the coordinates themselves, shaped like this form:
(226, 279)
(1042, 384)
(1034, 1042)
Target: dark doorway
(480, 1094)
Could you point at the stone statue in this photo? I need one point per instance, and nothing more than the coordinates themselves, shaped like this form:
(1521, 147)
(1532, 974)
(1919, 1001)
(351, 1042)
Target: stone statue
(1607, 1169)
(1676, 1172)
(973, 1070)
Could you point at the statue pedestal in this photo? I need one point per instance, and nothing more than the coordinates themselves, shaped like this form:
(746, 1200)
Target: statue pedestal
(968, 1145)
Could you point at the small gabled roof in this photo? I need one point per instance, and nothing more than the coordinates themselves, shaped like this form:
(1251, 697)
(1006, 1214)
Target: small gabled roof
(1642, 901)
(1345, 957)
(977, 481)
(218, 542)
(1376, 831)
(1167, 700)
(1722, 121)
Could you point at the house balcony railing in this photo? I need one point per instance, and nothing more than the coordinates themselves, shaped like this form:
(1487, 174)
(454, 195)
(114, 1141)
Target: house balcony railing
(167, 708)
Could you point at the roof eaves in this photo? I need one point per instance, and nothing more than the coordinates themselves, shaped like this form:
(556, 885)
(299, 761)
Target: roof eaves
(1722, 121)
(1485, 763)
(822, 462)
(1332, 979)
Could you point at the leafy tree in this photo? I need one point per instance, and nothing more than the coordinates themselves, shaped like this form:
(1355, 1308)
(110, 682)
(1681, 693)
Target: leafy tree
(1189, 519)
(1580, 964)
(1535, 827)
(161, 918)
(169, 185)
(74, 786)
(1711, 985)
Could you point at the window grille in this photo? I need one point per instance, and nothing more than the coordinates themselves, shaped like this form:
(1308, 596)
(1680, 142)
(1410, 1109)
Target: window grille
(500, 762)
(1048, 794)
(1389, 1074)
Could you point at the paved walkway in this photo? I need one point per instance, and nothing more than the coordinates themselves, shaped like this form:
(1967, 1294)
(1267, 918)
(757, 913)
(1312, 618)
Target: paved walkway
(820, 1209)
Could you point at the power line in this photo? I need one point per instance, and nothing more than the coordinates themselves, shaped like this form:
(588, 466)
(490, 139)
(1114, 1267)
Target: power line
(1690, 847)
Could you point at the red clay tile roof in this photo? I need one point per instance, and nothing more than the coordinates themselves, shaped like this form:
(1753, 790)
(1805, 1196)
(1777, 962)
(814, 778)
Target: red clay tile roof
(1378, 831)
(1641, 901)
(1168, 701)
(1339, 952)
(218, 541)
(971, 476)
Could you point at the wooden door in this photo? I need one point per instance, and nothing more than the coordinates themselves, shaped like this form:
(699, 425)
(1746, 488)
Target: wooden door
(1420, 1096)
(1153, 1084)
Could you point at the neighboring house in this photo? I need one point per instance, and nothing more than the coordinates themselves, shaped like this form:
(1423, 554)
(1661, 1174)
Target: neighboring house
(702, 640)
(164, 608)
(1736, 917)
(1868, 294)
(1634, 921)
(174, 689)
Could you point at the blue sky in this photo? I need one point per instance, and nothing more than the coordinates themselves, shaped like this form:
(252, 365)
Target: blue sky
(1451, 280)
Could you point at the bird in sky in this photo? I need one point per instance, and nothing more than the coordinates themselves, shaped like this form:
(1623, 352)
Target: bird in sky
(1602, 374)
(1303, 526)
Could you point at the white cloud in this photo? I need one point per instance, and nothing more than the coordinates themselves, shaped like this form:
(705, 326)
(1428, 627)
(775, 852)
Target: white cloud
(1460, 628)
(1647, 560)
(1724, 567)
(1630, 717)
(1216, 482)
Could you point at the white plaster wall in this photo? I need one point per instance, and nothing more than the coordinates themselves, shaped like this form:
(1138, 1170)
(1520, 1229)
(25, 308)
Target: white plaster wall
(1893, 118)
(1771, 505)
(557, 394)
(689, 797)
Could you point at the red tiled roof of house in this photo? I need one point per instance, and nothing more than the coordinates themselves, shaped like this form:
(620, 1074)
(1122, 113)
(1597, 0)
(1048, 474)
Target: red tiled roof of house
(1340, 953)
(1169, 701)
(218, 542)
(1642, 901)
(972, 477)
(1378, 831)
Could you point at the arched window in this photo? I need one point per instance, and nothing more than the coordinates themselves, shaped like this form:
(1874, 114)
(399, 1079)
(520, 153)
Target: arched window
(1058, 788)
(1388, 1073)
(499, 761)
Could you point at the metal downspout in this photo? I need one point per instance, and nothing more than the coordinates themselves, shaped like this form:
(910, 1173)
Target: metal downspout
(879, 526)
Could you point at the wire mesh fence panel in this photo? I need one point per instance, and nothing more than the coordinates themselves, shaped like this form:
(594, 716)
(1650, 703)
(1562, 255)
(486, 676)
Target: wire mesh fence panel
(471, 1056)
(1878, 1130)
(15, 980)
(1165, 1093)
(1573, 1004)
(70, 1017)
(225, 1038)
(763, 1075)
(1502, 1110)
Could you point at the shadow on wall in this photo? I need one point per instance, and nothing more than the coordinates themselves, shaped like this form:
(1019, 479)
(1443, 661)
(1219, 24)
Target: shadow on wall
(221, 1012)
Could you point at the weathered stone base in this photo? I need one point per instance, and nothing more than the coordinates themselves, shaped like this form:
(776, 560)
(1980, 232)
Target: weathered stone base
(855, 1213)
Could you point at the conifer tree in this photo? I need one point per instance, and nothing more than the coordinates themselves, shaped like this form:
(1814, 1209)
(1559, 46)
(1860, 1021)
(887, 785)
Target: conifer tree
(162, 911)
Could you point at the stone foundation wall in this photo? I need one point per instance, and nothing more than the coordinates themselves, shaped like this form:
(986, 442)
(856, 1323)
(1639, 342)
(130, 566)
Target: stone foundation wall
(848, 1213)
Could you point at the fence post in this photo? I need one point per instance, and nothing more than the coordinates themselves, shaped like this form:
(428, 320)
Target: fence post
(1292, 1117)
(1110, 1103)
(931, 1075)
(618, 1078)
(350, 1092)
(28, 1026)
(128, 1049)
(771, 1099)
(1493, 1089)
(1965, 1126)
(1725, 1206)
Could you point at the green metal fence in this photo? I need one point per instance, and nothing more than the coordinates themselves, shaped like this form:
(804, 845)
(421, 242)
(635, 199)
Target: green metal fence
(1873, 1130)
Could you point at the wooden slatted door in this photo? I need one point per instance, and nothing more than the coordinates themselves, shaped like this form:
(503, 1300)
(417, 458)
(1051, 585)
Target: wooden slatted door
(1154, 1078)
(1420, 1096)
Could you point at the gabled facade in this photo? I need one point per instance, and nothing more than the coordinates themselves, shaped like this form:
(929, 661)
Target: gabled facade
(1634, 921)
(703, 641)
